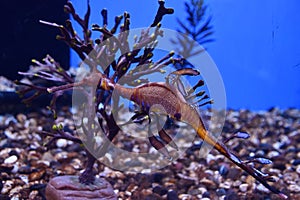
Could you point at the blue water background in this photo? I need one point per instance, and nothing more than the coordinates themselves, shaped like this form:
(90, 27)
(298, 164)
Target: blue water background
(256, 48)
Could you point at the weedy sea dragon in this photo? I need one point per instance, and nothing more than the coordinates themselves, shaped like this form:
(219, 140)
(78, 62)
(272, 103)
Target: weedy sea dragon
(174, 105)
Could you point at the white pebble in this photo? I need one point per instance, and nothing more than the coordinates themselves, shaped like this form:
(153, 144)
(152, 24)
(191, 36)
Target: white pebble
(10, 135)
(116, 191)
(272, 154)
(128, 193)
(202, 190)
(294, 188)
(33, 194)
(298, 169)
(208, 171)
(24, 178)
(16, 168)
(251, 154)
(15, 197)
(7, 187)
(243, 187)
(61, 143)
(209, 158)
(277, 145)
(185, 196)
(3, 142)
(237, 183)
(109, 157)
(146, 171)
(262, 188)
(15, 191)
(4, 152)
(225, 185)
(10, 160)
(10, 119)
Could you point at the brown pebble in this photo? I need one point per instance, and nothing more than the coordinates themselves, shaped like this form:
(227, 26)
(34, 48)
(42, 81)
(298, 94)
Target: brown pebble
(233, 173)
(37, 175)
(208, 183)
(68, 169)
(21, 118)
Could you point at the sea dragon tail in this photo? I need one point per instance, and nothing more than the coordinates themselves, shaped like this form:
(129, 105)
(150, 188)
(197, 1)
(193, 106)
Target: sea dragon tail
(247, 168)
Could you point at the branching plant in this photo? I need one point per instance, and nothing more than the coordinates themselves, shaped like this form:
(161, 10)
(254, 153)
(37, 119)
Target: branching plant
(130, 66)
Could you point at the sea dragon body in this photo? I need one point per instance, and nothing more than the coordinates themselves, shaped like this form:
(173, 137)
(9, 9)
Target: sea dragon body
(175, 106)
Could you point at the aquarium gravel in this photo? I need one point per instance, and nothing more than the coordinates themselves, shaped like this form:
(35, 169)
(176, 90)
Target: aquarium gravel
(26, 166)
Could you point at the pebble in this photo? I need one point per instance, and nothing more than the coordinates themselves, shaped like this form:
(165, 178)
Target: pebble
(37, 175)
(243, 187)
(10, 160)
(15, 190)
(194, 192)
(33, 194)
(32, 122)
(296, 162)
(24, 178)
(7, 186)
(223, 170)
(21, 118)
(25, 169)
(10, 135)
(232, 195)
(290, 177)
(272, 154)
(76, 163)
(206, 194)
(298, 169)
(157, 177)
(209, 183)
(237, 183)
(202, 190)
(226, 185)
(10, 120)
(210, 158)
(294, 188)
(276, 145)
(262, 188)
(172, 195)
(221, 192)
(15, 168)
(233, 173)
(160, 190)
(61, 143)
(185, 196)
(68, 169)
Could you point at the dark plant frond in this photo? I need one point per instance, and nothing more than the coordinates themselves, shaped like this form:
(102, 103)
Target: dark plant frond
(162, 10)
(196, 28)
(49, 78)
